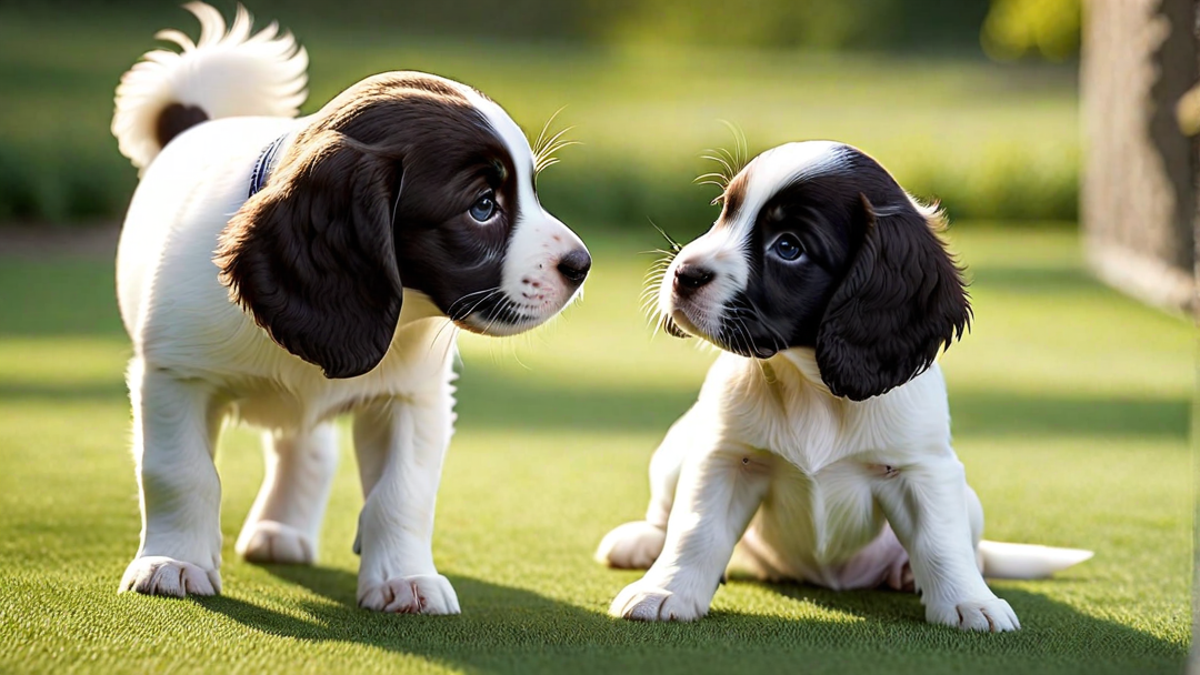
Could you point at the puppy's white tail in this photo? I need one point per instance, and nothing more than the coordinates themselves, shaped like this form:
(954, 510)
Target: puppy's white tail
(1026, 561)
(223, 74)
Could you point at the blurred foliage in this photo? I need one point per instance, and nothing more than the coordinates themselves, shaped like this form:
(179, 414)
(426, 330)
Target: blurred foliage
(927, 25)
(1018, 28)
(988, 141)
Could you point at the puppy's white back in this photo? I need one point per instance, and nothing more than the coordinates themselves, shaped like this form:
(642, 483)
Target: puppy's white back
(182, 203)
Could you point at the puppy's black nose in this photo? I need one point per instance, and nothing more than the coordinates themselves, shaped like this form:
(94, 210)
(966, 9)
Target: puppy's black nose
(691, 278)
(574, 266)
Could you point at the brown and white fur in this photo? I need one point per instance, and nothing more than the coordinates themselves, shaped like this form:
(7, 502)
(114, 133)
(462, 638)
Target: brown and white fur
(819, 449)
(376, 227)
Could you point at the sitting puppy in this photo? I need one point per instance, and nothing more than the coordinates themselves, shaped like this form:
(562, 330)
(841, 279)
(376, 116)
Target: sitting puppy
(819, 449)
(283, 271)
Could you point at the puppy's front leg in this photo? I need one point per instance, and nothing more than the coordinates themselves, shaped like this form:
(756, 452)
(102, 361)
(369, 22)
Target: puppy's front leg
(400, 447)
(938, 520)
(717, 495)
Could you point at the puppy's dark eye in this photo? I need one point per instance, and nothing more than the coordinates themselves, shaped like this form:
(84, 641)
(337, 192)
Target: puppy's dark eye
(484, 208)
(788, 247)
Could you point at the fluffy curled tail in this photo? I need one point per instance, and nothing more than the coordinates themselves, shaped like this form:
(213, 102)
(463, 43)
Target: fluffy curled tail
(1027, 561)
(223, 74)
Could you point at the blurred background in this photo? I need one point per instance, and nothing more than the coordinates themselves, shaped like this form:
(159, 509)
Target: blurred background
(1048, 129)
(971, 102)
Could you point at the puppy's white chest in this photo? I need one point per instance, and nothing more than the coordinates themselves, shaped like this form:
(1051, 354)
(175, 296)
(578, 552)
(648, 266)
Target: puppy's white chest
(418, 366)
(824, 518)
(791, 420)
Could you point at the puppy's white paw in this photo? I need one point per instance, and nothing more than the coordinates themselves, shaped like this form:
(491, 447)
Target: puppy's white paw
(633, 546)
(985, 615)
(643, 601)
(160, 575)
(268, 541)
(420, 594)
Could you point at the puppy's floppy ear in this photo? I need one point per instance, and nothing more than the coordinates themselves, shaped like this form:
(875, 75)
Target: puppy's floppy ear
(902, 301)
(312, 255)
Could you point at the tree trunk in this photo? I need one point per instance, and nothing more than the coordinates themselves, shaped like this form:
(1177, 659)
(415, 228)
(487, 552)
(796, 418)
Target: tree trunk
(1138, 201)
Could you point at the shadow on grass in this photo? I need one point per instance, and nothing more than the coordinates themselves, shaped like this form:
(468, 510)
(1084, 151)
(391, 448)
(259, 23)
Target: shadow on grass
(1005, 413)
(495, 399)
(491, 398)
(505, 630)
(1036, 280)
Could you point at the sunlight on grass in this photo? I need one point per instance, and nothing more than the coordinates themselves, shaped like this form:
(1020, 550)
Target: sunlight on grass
(1070, 405)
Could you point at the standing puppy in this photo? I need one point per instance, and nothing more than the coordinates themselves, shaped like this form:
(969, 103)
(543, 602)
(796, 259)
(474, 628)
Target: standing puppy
(819, 449)
(283, 271)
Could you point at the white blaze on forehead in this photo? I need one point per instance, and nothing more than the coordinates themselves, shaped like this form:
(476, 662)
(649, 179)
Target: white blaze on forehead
(512, 136)
(538, 240)
(779, 167)
(722, 250)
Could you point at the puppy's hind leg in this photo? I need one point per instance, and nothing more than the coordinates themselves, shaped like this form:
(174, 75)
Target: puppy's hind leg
(285, 521)
(175, 424)
(637, 544)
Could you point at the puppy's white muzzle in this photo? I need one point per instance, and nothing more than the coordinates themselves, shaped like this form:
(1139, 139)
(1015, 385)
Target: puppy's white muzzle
(703, 279)
(544, 271)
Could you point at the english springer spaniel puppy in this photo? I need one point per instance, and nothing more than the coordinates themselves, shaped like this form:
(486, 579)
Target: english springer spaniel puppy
(819, 449)
(282, 271)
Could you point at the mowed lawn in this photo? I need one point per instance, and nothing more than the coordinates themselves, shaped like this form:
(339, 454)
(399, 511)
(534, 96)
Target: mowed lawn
(1070, 409)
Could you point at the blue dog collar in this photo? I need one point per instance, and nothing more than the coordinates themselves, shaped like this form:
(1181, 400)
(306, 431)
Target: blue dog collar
(262, 168)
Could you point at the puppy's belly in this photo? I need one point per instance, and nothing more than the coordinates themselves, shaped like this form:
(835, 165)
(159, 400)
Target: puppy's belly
(824, 529)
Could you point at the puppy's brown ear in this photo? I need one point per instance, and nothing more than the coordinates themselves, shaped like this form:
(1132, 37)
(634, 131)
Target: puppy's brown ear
(901, 302)
(312, 255)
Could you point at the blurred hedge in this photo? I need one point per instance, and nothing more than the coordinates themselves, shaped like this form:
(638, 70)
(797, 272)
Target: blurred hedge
(1047, 28)
(90, 181)
(989, 142)
(929, 25)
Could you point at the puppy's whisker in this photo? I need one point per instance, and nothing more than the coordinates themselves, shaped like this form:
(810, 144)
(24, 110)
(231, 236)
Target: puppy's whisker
(550, 142)
(471, 310)
(656, 272)
(712, 178)
(516, 356)
(651, 312)
(720, 156)
(545, 148)
(470, 295)
(741, 147)
(438, 334)
(676, 247)
(779, 342)
(727, 167)
(558, 144)
(539, 143)
(488, 294)
(449, 343)
(736, 327)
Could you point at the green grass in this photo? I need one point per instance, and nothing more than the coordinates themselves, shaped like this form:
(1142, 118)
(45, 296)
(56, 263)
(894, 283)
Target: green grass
(1071, 413)
(990, 141)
